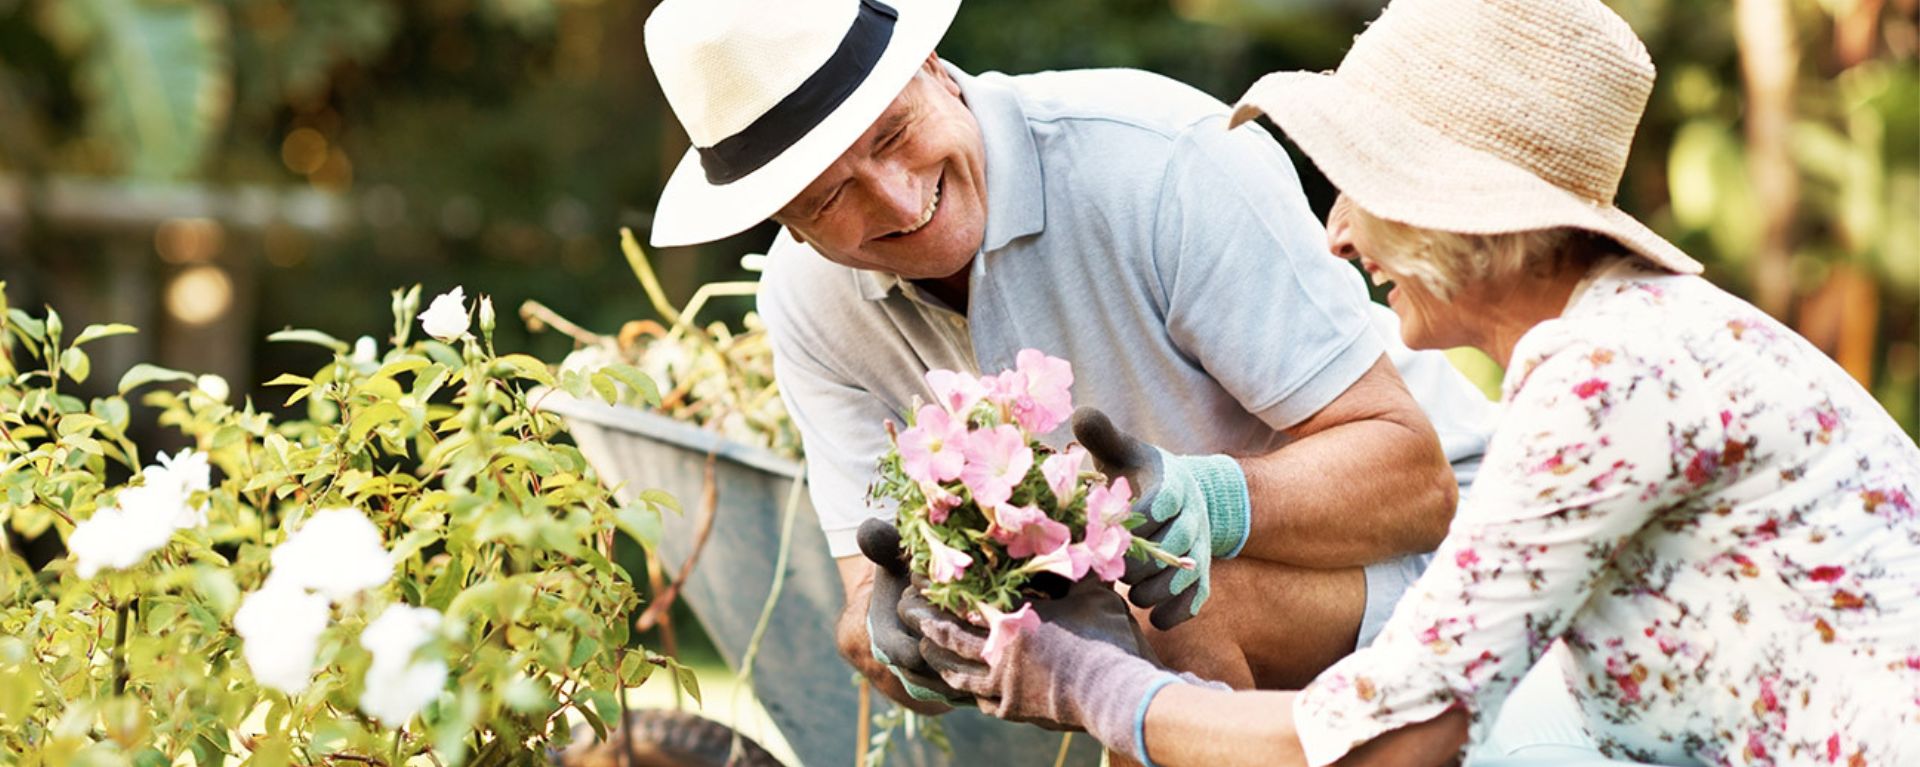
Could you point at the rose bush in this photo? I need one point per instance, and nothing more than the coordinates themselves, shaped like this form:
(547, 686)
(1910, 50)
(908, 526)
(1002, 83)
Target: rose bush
(417, 567)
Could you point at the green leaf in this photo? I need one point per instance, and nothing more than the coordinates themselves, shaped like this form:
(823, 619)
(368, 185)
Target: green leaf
(641, 523)
(76, 364)
(685, 679)
(638, 381)
(604, 386)
(92, 332)
(143, 374)
(288, 379)
(583, 651)
(656, 497)
(33, 331)
(370, 417)
(440, 595)
(314, 337)
(158, 78)
(634, 669)
(529, 368)
(402, 365)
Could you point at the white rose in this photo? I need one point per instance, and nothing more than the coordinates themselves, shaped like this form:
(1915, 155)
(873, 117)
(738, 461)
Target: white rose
(213, 386)
(173, 481)
(116, 539)
(446, 319)
(397, 686)
(337, 553)
(280, 626)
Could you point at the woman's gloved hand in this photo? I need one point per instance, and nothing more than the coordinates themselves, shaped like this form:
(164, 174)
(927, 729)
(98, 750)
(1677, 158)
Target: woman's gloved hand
(1083, 666)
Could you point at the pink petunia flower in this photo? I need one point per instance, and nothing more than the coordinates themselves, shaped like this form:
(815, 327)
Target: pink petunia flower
(1105, 550)
(1110, 505)
(1026, 531)
(1003, 627)
(1062, 471)
(1068, 560)
(948, 563)
(997, 459)
(1042, 396)
(932, 451)
(939, 501)
(956, 391)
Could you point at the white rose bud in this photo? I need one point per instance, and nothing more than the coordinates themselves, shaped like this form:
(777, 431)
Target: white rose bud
(280, 627)
(365, 352)
(446, 319)
(486, 314)
(337, 553)
(397, 686)
(213, 386)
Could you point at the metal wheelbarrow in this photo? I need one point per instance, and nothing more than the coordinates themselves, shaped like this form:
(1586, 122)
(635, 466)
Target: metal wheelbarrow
(799, 677)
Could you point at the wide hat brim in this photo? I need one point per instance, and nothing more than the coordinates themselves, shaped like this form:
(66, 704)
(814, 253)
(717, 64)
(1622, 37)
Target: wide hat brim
(693, 210)
(1401, 169)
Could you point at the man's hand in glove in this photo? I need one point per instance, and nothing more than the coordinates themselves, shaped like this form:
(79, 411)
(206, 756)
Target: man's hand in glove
(1196, 507)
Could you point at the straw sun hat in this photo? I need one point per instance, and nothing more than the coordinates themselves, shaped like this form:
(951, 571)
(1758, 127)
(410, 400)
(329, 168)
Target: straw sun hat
(1479, 117)
(771, 92)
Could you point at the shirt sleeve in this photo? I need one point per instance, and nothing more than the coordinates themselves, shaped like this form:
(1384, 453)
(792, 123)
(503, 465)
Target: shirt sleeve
(1593, 443)
(839, 423)
(1236, 247)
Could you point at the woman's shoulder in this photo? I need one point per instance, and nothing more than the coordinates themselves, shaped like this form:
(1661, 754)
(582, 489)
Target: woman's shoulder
(1630, 319)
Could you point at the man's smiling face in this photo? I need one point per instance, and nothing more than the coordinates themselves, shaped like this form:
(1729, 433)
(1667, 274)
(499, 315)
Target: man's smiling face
(909, 197)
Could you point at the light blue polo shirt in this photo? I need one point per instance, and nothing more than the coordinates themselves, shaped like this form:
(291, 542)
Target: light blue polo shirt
(1173, 262)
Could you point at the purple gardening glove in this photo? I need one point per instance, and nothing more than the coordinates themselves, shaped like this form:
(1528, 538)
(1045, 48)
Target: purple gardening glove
(1081, 667)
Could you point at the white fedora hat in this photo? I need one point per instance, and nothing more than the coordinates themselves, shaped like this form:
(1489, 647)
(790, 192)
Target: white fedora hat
(1479, 117)
(771, 92)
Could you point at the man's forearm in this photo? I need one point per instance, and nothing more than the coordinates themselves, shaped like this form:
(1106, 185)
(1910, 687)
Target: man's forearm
(1370, 486)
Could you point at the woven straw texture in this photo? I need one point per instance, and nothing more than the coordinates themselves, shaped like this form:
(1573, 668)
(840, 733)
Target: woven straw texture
(1479, 117)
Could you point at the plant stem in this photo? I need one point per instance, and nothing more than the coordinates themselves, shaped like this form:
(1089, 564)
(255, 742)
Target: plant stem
(121, 614)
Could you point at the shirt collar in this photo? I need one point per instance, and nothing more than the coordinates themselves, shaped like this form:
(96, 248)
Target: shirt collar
(1016, 200)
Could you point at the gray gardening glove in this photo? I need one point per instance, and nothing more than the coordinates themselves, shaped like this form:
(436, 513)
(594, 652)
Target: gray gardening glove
(1081, 667)
(889, 639)
(1196, 507)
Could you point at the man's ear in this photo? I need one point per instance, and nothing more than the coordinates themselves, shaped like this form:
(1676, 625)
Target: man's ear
(934, 69)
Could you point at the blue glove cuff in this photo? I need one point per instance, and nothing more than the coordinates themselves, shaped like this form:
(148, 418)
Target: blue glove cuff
(1223, 488)
(1140, 719)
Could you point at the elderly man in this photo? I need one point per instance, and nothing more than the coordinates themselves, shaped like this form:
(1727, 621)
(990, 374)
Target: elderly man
(936, 219)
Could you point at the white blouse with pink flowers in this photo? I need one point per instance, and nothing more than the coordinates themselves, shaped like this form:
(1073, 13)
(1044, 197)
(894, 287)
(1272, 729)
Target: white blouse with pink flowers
(1724, 527)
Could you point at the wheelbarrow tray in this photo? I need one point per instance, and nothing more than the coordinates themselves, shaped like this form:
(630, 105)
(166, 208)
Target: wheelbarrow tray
(799, 677)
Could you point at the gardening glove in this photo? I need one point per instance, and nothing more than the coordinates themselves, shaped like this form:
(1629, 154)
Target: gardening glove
(1082, 666)
(916, 612)
(1196, 507)
(888, 638)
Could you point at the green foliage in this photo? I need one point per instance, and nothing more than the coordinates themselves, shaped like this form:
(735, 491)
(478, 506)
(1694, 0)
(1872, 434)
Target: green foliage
(156, 74)
(488, 516)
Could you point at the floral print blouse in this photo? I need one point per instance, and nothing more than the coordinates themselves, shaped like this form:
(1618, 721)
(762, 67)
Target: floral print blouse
(1722, 525)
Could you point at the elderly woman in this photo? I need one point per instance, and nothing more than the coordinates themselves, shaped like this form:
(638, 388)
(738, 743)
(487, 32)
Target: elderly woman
(1718, 523)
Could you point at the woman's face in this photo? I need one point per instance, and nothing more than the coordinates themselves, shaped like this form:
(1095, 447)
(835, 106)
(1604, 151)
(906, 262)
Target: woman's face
(1426, 321)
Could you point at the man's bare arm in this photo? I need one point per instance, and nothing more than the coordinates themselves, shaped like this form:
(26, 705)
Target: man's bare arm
(1363, 480)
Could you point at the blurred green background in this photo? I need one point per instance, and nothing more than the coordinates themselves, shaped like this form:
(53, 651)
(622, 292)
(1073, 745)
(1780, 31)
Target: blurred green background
(213, 170)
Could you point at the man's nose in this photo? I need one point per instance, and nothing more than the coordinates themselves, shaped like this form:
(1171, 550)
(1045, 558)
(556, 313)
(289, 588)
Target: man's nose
(1340, 230)
(898, 194)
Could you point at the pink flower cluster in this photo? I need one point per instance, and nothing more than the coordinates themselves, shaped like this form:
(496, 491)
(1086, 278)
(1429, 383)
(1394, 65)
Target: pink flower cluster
(984, 505)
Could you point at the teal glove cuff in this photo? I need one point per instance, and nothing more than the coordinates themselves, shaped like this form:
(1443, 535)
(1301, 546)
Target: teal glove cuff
(1222, 486)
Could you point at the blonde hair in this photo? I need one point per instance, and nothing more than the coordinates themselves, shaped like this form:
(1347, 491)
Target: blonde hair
(1442, 262)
